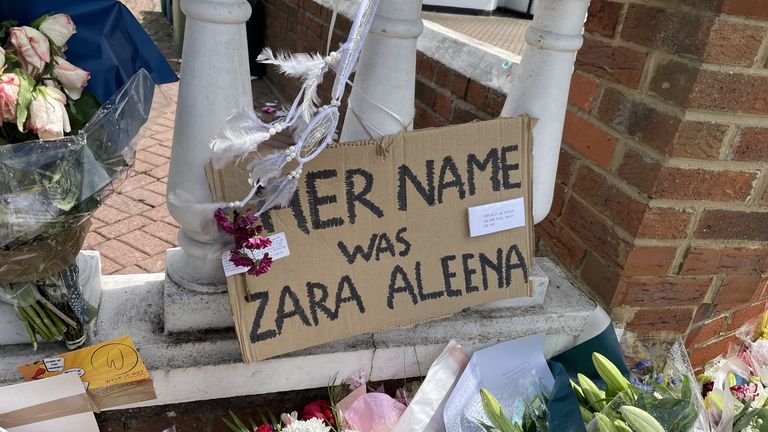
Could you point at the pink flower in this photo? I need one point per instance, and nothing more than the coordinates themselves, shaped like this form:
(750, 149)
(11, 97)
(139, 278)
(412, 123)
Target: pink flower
(71, 77)
(32, 48)
(263, 266)
(264, 428)
(47, 115)
(254, 243)
(58, 28)
(9, 97)
(745, 391)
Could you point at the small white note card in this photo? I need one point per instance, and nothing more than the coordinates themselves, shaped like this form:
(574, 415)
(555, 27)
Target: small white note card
(278, 249)
(495, 217)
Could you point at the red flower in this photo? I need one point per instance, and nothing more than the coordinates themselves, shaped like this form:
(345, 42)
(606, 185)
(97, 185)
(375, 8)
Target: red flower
(264, 428)
(320, 409)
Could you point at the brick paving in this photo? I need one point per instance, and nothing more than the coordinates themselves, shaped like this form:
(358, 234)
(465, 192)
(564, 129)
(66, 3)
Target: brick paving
(133, 229)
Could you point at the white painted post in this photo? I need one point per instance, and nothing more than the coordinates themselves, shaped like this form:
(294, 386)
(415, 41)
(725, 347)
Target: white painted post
(386, 73)
(540, 87)
(215, 81)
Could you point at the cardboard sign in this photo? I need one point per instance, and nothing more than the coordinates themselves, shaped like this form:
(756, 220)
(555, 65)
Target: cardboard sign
(379, 236)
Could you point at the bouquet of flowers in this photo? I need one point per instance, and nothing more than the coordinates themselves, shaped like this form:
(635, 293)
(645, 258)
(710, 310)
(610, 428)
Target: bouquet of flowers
(61, 154)
(734, 384)
(655, 393)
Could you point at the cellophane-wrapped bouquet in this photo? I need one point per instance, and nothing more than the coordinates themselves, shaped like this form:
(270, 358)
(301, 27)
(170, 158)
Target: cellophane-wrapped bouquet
(659, 394)
(734, 384)
(61, 154)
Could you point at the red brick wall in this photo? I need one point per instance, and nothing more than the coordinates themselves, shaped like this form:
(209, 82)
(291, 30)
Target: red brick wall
(661, 195)
(660, 207)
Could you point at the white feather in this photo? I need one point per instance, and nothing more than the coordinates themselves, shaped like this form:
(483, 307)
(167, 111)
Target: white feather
(309, 67)
(277, 193)
(241, 134)
(294, 65)
(263, 169)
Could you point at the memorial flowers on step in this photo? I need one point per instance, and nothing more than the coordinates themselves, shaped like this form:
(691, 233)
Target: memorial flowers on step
(61, 155)
(734, 384)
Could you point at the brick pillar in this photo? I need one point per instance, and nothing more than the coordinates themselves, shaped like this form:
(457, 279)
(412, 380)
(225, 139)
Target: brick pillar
(661, 206)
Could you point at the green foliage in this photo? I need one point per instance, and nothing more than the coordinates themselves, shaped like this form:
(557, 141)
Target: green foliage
(82, 110)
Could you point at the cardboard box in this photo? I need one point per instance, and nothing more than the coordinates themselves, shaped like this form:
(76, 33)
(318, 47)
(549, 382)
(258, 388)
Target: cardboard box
(55, 404)
(379, 236)
(112, 372)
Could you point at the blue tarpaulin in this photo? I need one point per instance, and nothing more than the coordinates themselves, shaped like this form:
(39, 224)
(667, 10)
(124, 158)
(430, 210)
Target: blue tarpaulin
(109, 43)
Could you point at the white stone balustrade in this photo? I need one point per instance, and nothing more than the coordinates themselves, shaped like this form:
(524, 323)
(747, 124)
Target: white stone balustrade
(540, 87)
(215, 81)
(386, 74)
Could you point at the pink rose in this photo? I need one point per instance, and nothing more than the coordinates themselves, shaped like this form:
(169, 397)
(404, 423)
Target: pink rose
(32, 48)
(58, 28)
(47, 115)
(9, 97)
(71, 77)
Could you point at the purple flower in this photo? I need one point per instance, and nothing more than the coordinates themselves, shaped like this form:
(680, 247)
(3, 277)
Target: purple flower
(265, 263)
(222, 219)
(240, 259)
(254, 243)
(706, 388)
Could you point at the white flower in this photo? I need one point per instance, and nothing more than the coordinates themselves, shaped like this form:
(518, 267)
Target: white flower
(47, 114)
(71, 77)
(2, 60)
(32, 48)
(58, 28)
(311, 425)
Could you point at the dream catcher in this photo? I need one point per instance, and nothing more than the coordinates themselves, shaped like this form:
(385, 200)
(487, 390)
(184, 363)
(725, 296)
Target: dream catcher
(313, 126)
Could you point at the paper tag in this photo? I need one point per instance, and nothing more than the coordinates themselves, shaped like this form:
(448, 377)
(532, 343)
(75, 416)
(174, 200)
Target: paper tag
(495, 217)
(278, 249)
(55, 364)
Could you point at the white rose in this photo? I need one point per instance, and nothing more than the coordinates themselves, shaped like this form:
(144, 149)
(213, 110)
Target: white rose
(58, 28)
(32, 47)
(47, 114)
(71, 77)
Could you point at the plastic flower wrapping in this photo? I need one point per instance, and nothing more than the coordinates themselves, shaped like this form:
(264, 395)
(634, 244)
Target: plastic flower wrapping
(647, 385)
(48, 190)
(734, 384)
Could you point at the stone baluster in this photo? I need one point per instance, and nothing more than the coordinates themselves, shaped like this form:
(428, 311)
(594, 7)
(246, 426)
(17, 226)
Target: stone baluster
(540, 87)
(215, 81)
(386, 73)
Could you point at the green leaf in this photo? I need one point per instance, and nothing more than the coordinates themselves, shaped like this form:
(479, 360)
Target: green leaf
(82, 110)
(495, 413)
(5, 26)
(36, 23)
(26, 86)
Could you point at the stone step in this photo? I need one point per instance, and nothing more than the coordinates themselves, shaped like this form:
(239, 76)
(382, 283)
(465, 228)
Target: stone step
(204, 365)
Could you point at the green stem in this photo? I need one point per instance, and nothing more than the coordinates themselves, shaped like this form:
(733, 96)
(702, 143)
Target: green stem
(35, 319)
(28, 328)
(60, 326)
(44, 316)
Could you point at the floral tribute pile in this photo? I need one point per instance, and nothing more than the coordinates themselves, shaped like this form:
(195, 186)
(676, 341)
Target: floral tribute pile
(635, 383)
(734, 384)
